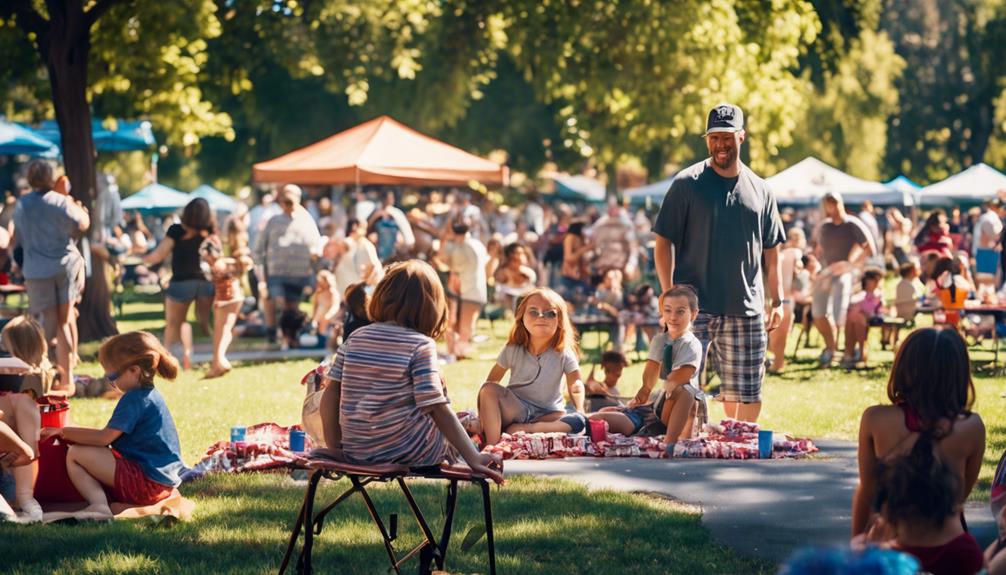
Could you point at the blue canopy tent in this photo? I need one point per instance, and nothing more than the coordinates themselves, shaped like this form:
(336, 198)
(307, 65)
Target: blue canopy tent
(16, 140)
(907, 187)
(577, 189)
(650, 194)
(219, 201)
(155, 199)
(110, 136)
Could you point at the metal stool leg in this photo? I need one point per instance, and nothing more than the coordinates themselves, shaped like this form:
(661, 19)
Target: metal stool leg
(445, 539)
(377, 519)
(304, 562)
(294, 535)
(433, 551)
(488, 510)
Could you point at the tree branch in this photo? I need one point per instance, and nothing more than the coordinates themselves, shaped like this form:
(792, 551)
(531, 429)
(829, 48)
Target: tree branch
(99, 8)
(28, 19)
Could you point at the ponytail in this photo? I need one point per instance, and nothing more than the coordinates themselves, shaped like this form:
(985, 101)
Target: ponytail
(143, 350)
(917, 487)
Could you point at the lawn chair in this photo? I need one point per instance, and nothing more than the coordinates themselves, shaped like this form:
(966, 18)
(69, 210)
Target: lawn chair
(431, 551)
(805, 324)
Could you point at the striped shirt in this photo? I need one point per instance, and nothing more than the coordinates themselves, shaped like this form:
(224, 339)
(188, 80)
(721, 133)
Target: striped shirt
(389, 376)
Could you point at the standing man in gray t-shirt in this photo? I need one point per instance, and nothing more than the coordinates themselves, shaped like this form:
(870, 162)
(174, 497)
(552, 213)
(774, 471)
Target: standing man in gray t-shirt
(716, 223)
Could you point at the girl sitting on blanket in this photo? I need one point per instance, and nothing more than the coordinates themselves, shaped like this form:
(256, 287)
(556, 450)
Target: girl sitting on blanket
(384, 401)
(540, 351)
(144, 462)
(675, 357)
(931, 394)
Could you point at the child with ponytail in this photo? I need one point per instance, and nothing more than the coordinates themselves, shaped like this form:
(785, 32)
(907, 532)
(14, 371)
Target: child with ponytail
(136, 458)
(927, 444)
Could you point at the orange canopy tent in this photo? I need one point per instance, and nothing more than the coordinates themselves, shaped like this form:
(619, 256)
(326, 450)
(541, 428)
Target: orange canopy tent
(381, 151)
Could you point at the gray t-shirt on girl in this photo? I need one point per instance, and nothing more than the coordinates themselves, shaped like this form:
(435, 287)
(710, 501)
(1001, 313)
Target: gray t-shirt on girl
(686, 350)
(537, 379)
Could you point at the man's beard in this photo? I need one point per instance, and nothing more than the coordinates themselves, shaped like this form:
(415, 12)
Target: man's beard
(730, 161)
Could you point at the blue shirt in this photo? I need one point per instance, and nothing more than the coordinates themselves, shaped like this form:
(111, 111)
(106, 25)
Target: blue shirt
(149, 437)
(45, 230)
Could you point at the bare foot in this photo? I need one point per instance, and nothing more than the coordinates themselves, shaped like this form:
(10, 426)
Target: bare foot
(94, 513)
(216, 372)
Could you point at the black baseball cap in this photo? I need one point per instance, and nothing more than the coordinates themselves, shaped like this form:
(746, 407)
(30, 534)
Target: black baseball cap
(725, 118)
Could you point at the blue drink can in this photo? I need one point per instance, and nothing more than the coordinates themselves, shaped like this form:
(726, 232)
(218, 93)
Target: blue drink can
(296, 440)
(237, 434)
(765, 444)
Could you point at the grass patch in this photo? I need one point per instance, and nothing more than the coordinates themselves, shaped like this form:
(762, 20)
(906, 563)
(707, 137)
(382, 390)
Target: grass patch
(242, 523)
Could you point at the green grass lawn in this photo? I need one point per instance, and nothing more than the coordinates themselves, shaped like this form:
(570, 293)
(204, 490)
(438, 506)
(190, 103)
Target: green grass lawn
(544, 526)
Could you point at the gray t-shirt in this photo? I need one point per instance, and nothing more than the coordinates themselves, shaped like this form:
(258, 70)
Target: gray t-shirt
(537, 379)
(836, 240)
(719, 228)
(44, 227)
(686, 350)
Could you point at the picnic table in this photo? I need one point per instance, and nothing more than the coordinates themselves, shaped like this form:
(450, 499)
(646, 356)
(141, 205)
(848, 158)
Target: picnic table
(8, 290)
(997, 312)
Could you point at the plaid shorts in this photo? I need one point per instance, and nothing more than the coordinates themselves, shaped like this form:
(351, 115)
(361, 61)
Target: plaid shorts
(735, 345)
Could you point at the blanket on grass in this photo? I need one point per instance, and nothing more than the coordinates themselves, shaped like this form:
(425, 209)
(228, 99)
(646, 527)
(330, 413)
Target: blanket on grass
(173, 507)
(730, 439)
(266, 446)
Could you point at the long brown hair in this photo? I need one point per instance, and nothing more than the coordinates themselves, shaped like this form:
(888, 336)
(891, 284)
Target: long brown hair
(141, 349)
(198, 217)
(565, 335)
(410, 295)
(932, 374)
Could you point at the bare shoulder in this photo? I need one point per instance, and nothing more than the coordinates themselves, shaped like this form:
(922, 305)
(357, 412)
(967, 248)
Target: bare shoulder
(970, 425)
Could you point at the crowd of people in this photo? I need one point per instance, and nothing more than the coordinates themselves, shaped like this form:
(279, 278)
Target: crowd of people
(385, 284)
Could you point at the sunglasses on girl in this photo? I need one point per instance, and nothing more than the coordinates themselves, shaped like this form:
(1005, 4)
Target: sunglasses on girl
(547, 314)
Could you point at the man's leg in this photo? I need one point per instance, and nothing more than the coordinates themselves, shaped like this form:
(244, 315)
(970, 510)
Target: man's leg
(741, 343)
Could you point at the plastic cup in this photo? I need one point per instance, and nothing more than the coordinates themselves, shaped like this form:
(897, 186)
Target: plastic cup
(238, 434)
(296, 440)
(764, 444)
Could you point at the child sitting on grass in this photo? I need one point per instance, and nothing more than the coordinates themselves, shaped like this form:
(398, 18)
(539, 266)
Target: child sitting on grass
(931, 394)
(24, 339)
(136, 458)
(675, 358)
(605, 393)
(384, 398)
(15, 454)
(867, 311)
(540, 352)
(918, 502)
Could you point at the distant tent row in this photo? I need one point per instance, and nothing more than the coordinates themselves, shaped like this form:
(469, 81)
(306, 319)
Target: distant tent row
(158, 199)
(807, 181)
(44, 141)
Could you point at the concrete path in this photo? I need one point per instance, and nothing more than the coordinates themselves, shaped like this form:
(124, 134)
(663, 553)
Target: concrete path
(760, 508)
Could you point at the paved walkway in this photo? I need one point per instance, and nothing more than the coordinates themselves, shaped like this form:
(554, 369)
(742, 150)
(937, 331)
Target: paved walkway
(761, 508)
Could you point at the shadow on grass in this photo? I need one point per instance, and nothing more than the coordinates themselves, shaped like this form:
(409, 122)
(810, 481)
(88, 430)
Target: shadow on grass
(242, 524)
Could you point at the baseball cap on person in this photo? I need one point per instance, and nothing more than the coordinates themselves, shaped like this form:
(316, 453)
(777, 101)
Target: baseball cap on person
(725, 118)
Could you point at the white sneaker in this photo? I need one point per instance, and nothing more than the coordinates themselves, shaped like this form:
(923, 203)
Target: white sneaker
(31, 512)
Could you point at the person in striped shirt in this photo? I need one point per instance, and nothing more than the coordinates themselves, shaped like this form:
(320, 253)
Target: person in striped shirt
(385, 401)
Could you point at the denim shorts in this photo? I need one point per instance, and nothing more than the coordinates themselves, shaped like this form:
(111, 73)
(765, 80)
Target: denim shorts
(644, 419)
(288, 287)
(184, 291)
(531, 411)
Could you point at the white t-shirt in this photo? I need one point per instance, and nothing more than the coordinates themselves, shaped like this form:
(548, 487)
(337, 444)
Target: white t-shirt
(987, 231)
(468, 260)
(358, 254)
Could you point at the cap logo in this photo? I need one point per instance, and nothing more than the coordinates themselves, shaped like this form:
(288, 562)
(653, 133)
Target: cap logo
(724, 114)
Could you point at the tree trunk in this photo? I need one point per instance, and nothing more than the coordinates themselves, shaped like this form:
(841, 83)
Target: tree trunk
(64, 47)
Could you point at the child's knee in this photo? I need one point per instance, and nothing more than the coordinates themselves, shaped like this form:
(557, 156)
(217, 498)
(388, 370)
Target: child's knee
(492, 391)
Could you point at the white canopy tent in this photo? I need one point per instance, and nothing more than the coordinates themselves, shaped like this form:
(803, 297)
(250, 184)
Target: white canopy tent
(806, 182)
(652, 193)
(974, 185)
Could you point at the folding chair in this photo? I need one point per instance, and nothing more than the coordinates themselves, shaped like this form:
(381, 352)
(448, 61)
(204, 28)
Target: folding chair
(431, 551)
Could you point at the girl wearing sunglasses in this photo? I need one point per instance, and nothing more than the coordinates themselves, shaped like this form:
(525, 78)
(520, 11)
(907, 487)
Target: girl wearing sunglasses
(540, 351)
(136, 458)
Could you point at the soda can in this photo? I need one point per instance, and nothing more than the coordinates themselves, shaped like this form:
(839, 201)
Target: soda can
(237, 434)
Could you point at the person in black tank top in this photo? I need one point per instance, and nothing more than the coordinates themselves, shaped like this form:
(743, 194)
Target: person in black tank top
(189, 282)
